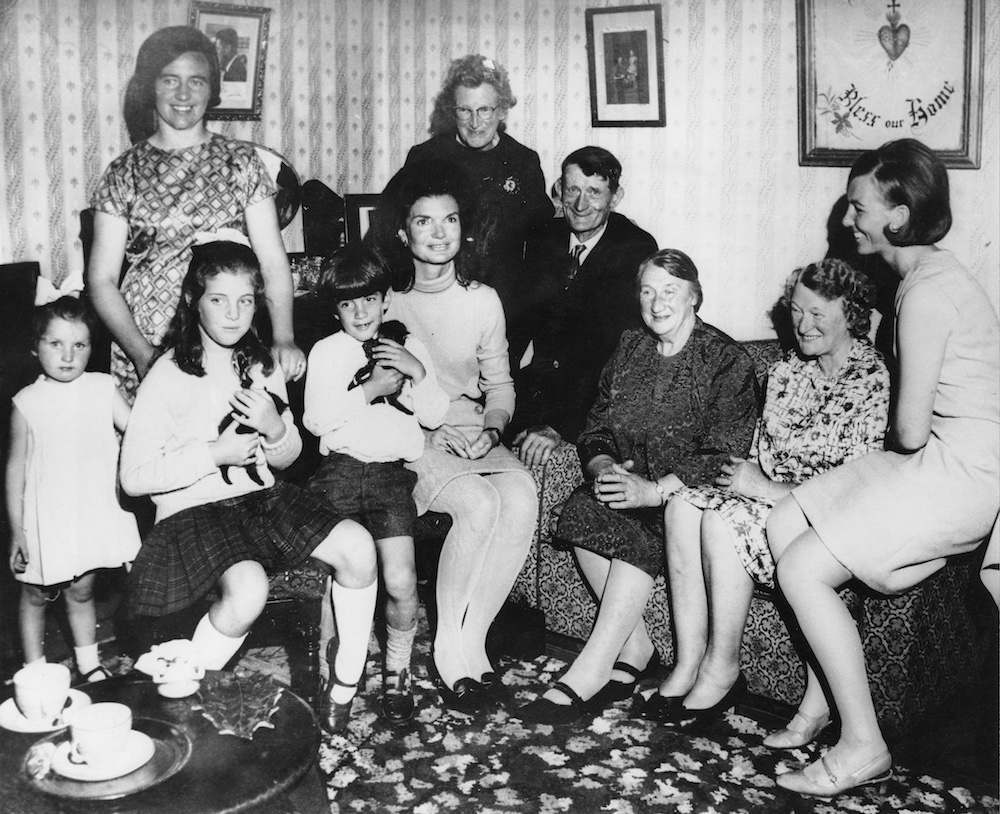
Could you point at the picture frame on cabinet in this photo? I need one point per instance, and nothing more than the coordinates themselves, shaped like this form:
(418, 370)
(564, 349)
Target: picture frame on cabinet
(357, 213)
(625, 66)
(239, 34)
(874, 70)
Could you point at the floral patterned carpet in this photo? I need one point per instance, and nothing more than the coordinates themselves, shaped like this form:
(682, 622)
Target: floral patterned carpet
(448, 762)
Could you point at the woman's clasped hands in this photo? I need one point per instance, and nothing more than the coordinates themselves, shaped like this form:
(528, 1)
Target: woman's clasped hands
(451, 439)
(616, 485)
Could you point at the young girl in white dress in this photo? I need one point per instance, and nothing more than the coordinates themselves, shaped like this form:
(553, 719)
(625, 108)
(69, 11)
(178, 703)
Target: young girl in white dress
(221, 518)
(61, 484)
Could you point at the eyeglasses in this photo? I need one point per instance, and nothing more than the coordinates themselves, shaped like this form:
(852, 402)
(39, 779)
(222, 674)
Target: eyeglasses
(485, 114)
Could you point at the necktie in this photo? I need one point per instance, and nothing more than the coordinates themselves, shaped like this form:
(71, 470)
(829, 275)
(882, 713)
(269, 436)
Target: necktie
(574, 261)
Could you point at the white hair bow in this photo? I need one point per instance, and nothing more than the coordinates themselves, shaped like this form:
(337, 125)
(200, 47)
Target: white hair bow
(46, 291)
(225, 233)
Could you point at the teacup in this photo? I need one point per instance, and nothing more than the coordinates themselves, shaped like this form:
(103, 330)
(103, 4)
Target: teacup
(98, 732)
(40, 690)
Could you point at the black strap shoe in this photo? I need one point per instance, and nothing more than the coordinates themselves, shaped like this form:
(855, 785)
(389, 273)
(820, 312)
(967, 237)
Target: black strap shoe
(333, 716)
(616, 690)
(544, 711)
(397, 705)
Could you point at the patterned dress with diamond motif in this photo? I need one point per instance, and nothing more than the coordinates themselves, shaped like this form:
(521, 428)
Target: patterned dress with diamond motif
(167, 196)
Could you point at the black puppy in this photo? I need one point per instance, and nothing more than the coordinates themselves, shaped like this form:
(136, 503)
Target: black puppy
(242, 365)
(396, 331)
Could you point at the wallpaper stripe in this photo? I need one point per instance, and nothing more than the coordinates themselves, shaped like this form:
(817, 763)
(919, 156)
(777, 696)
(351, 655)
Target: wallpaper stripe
(394, 80)
(501, 27)
(560, 102)
(367, 93)
(340, 82)
(693, 122)
(769, 91)
(286, 41)
(421, 102)
(13, 136)
(314, 70)
(527, 123)
(93, 164)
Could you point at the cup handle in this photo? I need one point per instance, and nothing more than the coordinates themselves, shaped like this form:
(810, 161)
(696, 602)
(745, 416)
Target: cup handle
(74, 757)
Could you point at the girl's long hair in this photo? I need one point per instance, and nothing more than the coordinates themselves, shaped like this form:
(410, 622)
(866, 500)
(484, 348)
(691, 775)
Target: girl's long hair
(184, 334)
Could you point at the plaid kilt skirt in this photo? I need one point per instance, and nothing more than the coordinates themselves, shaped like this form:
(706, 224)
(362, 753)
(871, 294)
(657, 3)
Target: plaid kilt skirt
(184, 556)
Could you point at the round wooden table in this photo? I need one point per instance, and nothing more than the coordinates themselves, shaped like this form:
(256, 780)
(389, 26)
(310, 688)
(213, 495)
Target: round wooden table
(224, 773)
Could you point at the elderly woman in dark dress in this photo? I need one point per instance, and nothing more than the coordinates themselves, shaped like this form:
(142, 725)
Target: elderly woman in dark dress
(469, 126)
(675, 402)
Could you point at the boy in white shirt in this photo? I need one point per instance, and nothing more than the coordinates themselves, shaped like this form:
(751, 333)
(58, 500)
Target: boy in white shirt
(366, 398)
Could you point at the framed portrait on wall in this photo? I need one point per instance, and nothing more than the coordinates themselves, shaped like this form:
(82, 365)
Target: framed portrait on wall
(357, 213)
(240, 37)
(874, 70)
(625, 62)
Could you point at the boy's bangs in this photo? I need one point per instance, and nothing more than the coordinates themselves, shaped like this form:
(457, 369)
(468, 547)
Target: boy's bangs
(361, 289)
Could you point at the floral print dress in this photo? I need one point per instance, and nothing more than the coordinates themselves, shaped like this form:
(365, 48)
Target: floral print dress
(810, 423)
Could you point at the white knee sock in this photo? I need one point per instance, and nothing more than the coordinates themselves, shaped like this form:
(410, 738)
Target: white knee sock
(353, 609)
(86, 658)
(212, 648)
(398, 647)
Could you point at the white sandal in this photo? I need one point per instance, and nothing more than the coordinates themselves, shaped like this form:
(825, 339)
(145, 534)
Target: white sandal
(799, 731)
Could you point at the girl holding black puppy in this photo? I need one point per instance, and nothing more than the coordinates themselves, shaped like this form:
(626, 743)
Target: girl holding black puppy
(229, 531)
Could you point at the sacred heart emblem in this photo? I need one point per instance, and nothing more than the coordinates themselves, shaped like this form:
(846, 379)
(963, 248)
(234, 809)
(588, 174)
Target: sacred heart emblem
(894, 39)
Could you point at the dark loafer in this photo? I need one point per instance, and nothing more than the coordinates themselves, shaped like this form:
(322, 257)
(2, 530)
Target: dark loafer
(544, 711)
(396, 704)
(467, 696)
(620, 690)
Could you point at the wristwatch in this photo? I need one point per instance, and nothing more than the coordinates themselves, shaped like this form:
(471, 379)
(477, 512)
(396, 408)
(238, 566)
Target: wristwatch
(493, 429)
(661, 492)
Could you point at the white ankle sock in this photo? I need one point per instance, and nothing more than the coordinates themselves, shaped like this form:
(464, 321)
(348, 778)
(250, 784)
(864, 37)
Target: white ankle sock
(212, 648)
(86, 658)
(353, 609)
(39, 660)
(398, 647)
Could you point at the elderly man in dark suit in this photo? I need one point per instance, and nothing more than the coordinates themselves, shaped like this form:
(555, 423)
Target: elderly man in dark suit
(581, 269)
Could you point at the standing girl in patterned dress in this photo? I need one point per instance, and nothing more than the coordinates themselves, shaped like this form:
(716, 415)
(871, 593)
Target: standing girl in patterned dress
(61, 479)
(221, 518)
(177, 179)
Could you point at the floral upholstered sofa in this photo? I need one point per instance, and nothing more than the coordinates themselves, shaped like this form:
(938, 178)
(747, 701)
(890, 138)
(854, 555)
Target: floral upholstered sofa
(919, 646)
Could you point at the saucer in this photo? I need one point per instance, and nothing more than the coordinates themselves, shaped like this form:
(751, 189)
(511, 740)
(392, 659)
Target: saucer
(12, 719)
(173, 749)
(177, 689)
(135, 750)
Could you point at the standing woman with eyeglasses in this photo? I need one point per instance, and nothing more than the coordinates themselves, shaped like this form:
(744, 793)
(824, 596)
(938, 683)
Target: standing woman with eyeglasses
(468, 129)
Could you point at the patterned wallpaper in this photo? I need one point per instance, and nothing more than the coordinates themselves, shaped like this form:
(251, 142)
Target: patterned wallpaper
(350, 84)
